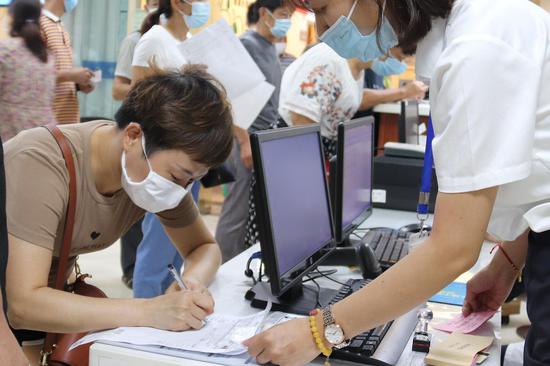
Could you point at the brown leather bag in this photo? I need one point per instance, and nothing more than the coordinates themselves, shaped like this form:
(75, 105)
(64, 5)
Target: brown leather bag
(56, 346)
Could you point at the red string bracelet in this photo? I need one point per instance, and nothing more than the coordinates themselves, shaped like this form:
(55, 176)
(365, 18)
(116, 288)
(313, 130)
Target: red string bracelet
(501, 247)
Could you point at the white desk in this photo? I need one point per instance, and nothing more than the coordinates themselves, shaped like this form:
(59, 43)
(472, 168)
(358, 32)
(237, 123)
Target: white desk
(230, 286)
(395, 108)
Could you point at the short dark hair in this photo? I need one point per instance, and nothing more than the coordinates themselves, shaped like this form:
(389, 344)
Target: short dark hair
(186, 110)
(25, 24)
(253, 14)
(412, 18)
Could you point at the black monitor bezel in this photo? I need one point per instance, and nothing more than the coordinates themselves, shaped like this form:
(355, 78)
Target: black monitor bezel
(342, 233)
(263, 212)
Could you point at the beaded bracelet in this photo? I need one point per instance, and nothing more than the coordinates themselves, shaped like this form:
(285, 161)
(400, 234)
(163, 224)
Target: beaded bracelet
(317, 337)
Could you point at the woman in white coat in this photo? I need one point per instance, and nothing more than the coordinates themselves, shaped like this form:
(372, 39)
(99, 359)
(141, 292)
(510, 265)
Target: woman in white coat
(488, 64)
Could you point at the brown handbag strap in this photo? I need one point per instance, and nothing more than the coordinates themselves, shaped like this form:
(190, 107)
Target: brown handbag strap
(60, 279)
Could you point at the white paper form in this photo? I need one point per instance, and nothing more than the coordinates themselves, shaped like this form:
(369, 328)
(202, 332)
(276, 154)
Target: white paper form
(218, 48)
(222, 334)
(220, 359)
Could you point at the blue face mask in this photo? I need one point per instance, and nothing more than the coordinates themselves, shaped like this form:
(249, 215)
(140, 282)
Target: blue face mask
(390, 66)
(344, 38)
(200, 13)
(70, 5)
(281, 27)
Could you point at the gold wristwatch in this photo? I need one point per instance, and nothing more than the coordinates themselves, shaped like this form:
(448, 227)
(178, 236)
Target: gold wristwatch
(334, 334)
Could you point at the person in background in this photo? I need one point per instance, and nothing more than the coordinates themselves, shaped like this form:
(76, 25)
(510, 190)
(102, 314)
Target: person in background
(123, 71)
(69, 79)
(322, 87)
(121, 87)
(27, 72)
(159, 43)
(272, 19)
(284, 57)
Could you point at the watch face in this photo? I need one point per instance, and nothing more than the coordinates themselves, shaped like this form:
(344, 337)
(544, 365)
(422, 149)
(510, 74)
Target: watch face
(334, 334)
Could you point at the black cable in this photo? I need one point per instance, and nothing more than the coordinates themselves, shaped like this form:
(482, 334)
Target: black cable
(317, 301)
(329, 272)
(330, 278)
(321, 274)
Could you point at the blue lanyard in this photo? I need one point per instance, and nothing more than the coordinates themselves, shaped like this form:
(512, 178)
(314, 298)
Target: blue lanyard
(426, 183)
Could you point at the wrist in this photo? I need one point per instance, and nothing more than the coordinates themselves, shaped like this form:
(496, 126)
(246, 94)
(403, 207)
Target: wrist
(317, 330)
(403, 94)
(503, 264)
(145, 312)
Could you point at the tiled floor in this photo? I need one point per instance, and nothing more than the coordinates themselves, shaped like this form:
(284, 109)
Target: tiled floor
(105, 268)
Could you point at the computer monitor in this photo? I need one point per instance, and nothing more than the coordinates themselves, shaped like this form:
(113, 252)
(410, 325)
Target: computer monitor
(292, 207)
(353, 176)
(408, 123)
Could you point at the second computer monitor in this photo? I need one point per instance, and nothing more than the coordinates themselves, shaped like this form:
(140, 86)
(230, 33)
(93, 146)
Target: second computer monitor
(292, 203)
(353, 201)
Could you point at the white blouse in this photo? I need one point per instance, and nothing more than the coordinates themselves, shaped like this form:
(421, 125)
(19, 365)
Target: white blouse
(319, 85)
(489, 66)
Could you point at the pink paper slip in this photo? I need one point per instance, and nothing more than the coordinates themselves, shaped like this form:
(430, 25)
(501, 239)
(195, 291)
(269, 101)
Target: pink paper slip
(465, 325)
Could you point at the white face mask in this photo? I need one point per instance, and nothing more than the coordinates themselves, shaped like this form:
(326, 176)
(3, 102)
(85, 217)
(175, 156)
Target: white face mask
(155, 193)
(280, 47)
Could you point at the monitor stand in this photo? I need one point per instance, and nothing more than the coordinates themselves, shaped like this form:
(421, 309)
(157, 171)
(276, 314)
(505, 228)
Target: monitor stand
(300, 299)
(353, 252)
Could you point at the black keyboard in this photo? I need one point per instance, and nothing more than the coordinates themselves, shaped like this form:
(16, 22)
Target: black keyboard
(389, 245)
(363, 346)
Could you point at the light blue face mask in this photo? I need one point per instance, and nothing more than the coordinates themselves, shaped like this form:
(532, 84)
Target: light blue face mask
(390, 66)
(70, 5)
(200, 13)
(344, 38)
(281, 27)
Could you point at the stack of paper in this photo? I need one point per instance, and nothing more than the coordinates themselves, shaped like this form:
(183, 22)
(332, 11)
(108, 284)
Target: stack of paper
(218, 48)
(458, 350)
(221, 334)
(219, 341)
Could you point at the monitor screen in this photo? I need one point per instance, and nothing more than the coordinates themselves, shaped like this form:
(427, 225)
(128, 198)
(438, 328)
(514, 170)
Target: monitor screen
(297, 197)
(357, 172)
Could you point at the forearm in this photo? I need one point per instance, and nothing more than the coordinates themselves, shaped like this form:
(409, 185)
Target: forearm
(64, 312)
(403, 287)
(64, 76)
(203, 263)
(372, 97)
(10, 352)
(241, 135)
(301, 120)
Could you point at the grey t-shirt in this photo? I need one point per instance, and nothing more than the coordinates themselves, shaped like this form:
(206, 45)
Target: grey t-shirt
(265, 55)
(126, 55)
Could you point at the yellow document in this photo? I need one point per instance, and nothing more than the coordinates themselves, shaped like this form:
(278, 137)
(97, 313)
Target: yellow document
(458, 350)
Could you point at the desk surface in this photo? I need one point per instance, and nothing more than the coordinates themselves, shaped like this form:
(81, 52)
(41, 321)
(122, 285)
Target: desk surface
(230, 286)
(395, 108)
